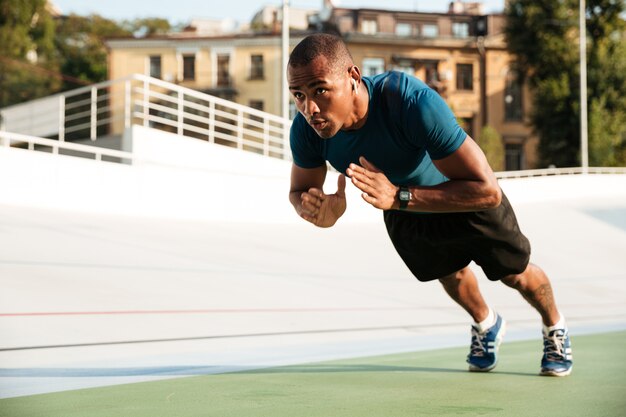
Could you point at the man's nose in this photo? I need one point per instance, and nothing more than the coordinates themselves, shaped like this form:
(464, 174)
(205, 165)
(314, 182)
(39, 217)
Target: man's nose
(311, 108)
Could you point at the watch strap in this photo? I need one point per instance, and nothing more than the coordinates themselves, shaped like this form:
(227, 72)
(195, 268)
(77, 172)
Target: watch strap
(404, 195)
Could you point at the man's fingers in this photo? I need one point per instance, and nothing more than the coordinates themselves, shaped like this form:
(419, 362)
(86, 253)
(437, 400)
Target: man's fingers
(371, 200)
(308, 218)
(360, 177)
(363, 186)
(311, 199)
(368, 165)
(316, 192)
(309, 208)
(358, 183)
(355, 169)
(341, 185)
(366, 168)
(368, 198)
(361, 180)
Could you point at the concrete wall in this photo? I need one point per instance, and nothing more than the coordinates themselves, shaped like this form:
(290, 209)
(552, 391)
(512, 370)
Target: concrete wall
(172, 176)
(178, 177)
(37, 117)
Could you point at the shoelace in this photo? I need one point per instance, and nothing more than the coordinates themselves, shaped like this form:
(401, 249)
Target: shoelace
(477, 348)
(554, 345)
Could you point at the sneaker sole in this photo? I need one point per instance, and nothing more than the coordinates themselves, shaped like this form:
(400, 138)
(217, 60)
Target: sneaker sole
(555, 373)
(499, 337)
(473, 368)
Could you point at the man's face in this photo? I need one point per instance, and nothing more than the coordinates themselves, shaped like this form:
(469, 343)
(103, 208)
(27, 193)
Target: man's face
(323, 95)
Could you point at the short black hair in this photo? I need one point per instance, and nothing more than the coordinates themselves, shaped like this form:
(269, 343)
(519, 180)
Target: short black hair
(321, 44)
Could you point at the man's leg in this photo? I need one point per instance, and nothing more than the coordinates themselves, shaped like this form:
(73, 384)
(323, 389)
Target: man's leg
(462, 287)
(535, 287)
(488, 329)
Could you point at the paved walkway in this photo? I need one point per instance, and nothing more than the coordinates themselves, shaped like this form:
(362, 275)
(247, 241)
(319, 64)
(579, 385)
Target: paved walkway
(92, 300)
(432, 383)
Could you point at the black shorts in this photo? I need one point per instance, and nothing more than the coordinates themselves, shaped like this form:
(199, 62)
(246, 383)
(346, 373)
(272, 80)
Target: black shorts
(434, 245)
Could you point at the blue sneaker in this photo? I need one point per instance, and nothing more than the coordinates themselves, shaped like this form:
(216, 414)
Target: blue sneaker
(483, 356)
(557, 353)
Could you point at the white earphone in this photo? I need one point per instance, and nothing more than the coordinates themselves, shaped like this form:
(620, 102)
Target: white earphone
(354, 86)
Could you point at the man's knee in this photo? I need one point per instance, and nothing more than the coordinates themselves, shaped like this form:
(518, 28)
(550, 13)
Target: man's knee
(454, 277)
(518, 281)
(513, 281)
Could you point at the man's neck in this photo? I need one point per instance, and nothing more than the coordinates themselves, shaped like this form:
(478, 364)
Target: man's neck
(361, 108)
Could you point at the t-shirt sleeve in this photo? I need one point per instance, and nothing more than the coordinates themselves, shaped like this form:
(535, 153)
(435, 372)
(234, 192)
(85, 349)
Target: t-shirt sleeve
(433, 124)
(303, 149)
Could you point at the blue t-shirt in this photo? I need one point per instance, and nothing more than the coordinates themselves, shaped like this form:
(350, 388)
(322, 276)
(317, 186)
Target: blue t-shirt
(408, 125)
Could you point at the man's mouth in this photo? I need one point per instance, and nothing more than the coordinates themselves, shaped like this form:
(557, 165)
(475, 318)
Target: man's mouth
(317, 124)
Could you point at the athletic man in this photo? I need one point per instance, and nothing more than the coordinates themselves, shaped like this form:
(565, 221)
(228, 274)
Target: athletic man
(401, 146)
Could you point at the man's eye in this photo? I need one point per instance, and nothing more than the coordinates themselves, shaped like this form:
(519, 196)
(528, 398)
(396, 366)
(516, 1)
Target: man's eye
(320, 90)
(298, 96)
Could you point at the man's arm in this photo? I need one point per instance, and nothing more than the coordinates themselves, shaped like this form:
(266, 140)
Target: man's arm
(472, 186)
(308, 199)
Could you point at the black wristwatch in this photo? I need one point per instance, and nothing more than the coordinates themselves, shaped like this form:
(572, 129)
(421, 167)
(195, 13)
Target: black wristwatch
(404, 195)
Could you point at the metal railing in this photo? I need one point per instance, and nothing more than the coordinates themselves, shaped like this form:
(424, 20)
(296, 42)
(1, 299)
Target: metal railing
(108, 108)
(16, 140)
(560, 171)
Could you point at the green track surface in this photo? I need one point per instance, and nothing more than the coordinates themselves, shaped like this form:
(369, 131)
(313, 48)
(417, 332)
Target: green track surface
(432, 383)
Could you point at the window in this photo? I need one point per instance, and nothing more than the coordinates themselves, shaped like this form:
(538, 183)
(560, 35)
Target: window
(406, 68)
(513, 110)
(481, 26)
(431, 75)
(464, 77)
(189, 67)
(373, 66)
(369, 27)
(256, 104)
(460, 29)
(404, 29)
(256, 67)
(430, 31)
(345, 24)
(155, 66)
(514, 156)
(223, 70)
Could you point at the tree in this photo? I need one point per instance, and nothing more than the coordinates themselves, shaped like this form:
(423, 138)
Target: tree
(28, 60)
(606, 80)
(541, 33)
(146, 27)
(80, 43)
(490, 142)
(40, 55)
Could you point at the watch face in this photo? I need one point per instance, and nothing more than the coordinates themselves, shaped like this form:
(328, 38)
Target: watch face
(405, 195)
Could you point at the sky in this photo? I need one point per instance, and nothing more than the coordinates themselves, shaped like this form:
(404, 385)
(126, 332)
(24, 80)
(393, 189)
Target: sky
(177, 11)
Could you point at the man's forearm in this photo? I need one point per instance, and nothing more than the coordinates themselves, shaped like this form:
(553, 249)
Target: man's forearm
(295, 198)
(455, 196)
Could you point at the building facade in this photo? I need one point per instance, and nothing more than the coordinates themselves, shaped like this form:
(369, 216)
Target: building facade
(461, 54)
(244, 69)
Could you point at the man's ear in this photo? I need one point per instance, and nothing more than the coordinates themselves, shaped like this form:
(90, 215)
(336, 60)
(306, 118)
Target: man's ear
(355, 74)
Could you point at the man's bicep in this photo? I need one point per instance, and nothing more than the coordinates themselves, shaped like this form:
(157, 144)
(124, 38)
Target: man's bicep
(303, 179)
(468, 162)
(432, 124)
